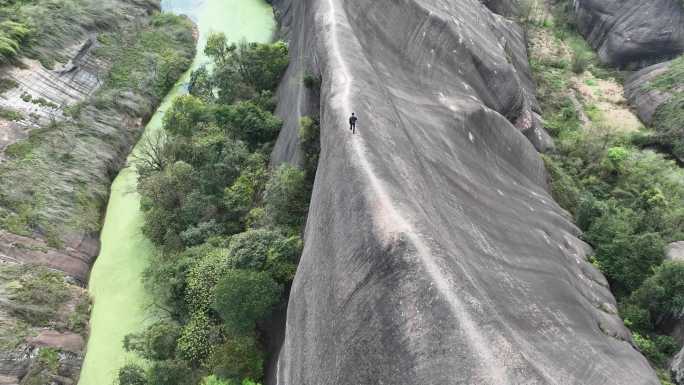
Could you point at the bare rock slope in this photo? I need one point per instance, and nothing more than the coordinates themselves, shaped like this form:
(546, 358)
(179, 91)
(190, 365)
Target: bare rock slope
(632, 33)
(434, 253)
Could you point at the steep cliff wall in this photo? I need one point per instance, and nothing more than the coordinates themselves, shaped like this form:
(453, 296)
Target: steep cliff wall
(434, 253)
(632, 33)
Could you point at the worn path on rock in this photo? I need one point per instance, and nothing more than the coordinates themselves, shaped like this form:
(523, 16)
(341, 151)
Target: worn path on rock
(390, 222)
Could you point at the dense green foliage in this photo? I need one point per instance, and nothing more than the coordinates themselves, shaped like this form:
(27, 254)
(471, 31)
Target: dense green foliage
(227, 227)
(628, 201)
(12, 37)
(660, 298)
(244, 297)
(309, 139)
(158, 342)
(244, 70)
(132, 374)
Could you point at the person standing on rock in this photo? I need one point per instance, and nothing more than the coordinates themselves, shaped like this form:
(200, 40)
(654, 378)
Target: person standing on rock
(352, 123)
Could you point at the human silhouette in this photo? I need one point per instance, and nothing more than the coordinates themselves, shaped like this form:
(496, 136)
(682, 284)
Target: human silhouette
(352, 123)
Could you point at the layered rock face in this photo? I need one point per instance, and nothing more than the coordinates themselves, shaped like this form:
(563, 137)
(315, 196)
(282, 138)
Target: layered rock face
(632, 33)
(433, 251)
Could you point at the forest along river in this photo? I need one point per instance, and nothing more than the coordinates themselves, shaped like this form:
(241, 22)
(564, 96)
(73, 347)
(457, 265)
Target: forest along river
(121, 304)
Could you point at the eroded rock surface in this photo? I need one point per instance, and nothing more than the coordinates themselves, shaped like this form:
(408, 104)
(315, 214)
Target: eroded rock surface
(643, 98)
(632, 33)
(434, 253)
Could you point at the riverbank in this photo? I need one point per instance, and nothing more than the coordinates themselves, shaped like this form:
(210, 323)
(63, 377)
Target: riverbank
(121, 303)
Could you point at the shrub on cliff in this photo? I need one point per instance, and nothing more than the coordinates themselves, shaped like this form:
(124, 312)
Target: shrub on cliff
(287, 197)
(132, 374)
(309, 139)
(12, 37)
(244, 297)
(625, 253)
(238, 357)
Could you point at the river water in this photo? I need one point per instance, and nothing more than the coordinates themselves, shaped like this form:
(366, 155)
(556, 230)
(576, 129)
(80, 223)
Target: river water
(121, 304)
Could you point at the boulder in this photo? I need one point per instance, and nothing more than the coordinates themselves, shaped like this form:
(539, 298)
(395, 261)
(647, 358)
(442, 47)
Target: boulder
(532, 126)
(675, 251)
(632, 33)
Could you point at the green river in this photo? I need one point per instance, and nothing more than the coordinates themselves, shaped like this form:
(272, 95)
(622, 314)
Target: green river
(121, 305)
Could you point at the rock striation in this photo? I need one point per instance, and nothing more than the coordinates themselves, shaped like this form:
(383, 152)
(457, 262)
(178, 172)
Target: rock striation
(433, 251)
(632, 33)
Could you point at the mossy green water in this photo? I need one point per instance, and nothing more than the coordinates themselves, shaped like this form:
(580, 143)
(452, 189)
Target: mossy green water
(121, 304)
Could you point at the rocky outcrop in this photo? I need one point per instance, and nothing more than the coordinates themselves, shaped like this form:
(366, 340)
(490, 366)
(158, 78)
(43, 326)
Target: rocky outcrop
(632, 33)
(74, 258)
(433, 251)
(643, 98)
(677, 368)
(657, 94)
(675, 251)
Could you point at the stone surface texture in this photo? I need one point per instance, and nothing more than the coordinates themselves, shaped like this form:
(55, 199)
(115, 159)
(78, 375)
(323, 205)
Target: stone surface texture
(632, 33)
(434, 252)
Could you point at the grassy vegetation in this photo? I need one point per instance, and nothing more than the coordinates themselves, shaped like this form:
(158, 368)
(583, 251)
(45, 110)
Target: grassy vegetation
(7, 84)
(669, 117)
(12, 38)
(39, 29)
(10, 114)
(228, 227)
(45, 369)
(629, 202)
(52, 184)
(38, 297)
